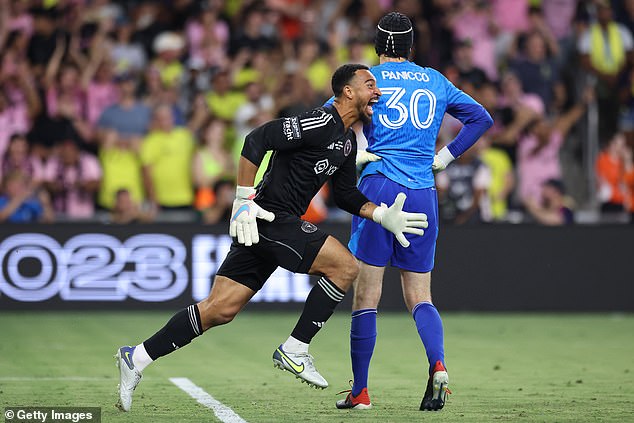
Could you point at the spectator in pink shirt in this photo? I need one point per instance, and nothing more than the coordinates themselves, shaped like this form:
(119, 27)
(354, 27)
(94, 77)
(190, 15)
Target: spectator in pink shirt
(73, 178)
(208, 38)
(474, 22)
(559, 15)
(63, 87)
(19, 102)
(19, 19)
(538, 150)
(18, 158)
(511, 15)
(101, 91)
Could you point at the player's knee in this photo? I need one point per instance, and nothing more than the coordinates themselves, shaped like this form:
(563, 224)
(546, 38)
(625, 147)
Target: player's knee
(349, 270)
(213, 313)
(366, 298)
(222, 317)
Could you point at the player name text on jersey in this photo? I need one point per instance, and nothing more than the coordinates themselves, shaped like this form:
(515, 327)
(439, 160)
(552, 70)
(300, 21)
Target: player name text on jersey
(408, 75)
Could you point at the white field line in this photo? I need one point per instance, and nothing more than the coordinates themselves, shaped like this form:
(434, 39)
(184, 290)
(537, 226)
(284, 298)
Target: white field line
(222, 412)
(53, 379)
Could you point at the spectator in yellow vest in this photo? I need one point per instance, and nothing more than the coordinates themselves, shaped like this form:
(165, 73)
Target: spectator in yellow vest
(606, 48)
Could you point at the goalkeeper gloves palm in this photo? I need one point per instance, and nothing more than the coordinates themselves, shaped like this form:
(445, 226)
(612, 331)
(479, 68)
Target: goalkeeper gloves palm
(365, 157)
(395, 220)
(243, 224)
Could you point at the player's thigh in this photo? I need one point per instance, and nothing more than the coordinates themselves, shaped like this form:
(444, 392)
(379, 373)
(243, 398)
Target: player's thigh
(335, 262)
(246, 266)
(369, 241)
(368, 286)
(416, 287)
(420, 255)
(290, 242)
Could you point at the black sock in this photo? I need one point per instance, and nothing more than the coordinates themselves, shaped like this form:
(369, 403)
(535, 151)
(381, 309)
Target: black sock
(319, 306)
(178, 332)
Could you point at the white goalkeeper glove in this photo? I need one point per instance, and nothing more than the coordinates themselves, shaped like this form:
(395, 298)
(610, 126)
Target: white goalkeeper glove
(395, 220)
(243, 223)
(442, 160)
(365, 157)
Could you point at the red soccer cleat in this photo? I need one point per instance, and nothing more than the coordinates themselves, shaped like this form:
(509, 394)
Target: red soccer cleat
(360, 402)
(437, 389)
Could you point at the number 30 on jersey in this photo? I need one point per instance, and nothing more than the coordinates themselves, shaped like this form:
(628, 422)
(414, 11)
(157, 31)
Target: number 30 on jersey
(421, 119)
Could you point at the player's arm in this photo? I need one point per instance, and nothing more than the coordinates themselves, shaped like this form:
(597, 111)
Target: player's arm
(475, 119)
(278, 134)
(245, 212)
(348, 197)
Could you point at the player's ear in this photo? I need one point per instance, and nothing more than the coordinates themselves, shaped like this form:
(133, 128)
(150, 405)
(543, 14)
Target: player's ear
(347, 91)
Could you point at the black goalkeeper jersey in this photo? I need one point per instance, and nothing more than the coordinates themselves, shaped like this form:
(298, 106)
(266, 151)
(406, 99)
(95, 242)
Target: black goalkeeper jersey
(307, 150)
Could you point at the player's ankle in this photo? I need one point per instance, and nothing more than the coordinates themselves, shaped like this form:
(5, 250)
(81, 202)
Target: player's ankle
(140, 358)
(293, 345)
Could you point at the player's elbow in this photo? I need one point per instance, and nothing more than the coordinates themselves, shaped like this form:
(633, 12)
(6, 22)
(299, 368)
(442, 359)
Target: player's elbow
(486, 119)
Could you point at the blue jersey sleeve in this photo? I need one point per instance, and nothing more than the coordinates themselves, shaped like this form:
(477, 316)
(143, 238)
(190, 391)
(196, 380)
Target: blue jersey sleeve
(474, 117)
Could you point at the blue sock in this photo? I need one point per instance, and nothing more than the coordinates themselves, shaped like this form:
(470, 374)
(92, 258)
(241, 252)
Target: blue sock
(362, 341)
(429, 326)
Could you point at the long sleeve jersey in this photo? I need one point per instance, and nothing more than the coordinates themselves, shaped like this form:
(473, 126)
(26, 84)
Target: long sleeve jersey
(307, 150)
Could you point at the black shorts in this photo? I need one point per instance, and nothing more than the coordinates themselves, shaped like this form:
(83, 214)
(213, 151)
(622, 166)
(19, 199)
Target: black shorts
(288, 242)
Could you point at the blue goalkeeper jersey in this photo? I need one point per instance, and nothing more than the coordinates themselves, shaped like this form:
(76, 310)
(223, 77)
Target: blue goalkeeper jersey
(407, 119)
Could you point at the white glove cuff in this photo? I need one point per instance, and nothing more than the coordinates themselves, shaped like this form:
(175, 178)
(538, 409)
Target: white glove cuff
(445, 155)
(377, 214)
(245, 192)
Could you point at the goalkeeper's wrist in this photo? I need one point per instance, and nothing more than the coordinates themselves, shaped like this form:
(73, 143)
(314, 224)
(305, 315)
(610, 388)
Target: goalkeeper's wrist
(245, 193)
(377, 214)
(445, 155)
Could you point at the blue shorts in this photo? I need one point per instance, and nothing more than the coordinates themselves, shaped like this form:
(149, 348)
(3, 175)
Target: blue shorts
(374, 245)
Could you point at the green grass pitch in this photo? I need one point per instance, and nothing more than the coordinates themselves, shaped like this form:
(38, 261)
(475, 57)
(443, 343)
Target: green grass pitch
(502, 367)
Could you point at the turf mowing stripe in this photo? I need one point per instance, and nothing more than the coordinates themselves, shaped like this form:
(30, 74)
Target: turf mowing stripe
(224, 413)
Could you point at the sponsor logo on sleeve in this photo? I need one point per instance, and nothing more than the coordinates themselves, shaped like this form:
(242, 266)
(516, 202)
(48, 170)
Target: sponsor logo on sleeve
(291, 128)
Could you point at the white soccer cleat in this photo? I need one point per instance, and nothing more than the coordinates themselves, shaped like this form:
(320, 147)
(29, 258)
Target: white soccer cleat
(129, 377)
(301, 365)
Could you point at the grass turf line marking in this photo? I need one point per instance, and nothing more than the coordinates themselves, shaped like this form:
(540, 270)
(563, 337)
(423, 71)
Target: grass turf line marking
(53, 379)
(222, 412)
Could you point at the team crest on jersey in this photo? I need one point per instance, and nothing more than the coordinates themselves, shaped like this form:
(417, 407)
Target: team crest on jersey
(347, 148)
(291, 129)
(321, 166)
(308, 227)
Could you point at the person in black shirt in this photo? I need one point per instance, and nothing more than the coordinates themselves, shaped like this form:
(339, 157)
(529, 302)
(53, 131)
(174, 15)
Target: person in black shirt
(308, 150)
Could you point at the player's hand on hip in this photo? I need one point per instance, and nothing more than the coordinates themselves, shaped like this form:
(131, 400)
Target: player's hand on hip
(395, 220)
(365, 157)
(244, 215)
(442, 160)
(438, 164)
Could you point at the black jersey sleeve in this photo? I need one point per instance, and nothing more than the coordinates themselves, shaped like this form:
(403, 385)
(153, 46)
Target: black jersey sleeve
(287, 134)
(345, 192)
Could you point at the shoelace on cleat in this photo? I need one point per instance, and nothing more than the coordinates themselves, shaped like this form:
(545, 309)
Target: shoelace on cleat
(346, 390)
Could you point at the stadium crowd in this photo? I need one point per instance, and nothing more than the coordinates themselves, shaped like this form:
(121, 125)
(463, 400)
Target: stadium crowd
(133, 111)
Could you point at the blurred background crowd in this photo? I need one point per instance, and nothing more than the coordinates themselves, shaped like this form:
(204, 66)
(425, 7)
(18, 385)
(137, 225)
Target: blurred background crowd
(136, 111)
